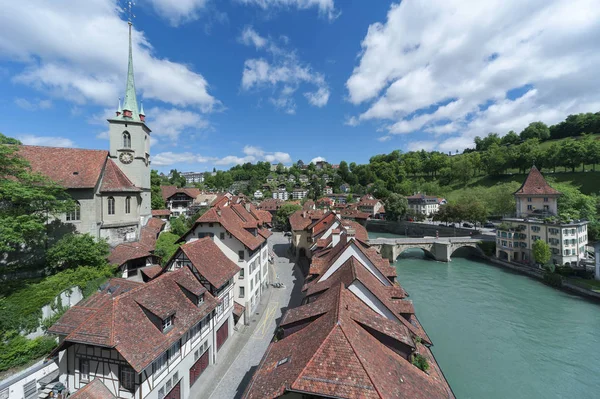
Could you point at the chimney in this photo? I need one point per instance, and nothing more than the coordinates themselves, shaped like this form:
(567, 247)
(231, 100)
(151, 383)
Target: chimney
(304, 214)
(247, 205)
(335, 237)
(218, 211)
(351, 233)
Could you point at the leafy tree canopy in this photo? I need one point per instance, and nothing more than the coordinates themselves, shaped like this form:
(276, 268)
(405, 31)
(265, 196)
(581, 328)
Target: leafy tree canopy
(74, 250)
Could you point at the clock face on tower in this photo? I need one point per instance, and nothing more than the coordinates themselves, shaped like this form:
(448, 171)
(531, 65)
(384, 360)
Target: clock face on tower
(126, 158)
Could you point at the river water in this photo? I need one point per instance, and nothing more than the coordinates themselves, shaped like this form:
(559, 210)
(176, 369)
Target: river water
(498, 334)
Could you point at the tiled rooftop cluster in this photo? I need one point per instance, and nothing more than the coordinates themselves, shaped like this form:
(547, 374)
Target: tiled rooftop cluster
(356, 333)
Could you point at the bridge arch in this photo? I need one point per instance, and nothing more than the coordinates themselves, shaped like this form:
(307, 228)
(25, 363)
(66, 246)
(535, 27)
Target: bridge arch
(466, 249)
(425, 250)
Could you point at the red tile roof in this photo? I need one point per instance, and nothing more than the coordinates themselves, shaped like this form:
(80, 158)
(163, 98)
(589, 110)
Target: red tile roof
(151, 271)
(210, 261)
(114, 180)
(161, 212)
(301, 219)
(122, 323)
(360, 232)
(270, 204)
(93, 390)
(168, 191)
(238, 309)
(535, 184)
(69, 167)
(231, 221)
(335, 347)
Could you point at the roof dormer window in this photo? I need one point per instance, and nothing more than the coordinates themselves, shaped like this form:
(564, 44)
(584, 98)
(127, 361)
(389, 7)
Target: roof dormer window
(200, 299)
(167, 323)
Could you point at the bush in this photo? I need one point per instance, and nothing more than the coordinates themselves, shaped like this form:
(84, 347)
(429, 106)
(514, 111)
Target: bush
(420, 361)
(166, 246)
(21, 310)
(75, 250)
(553, 279)
(16, 350)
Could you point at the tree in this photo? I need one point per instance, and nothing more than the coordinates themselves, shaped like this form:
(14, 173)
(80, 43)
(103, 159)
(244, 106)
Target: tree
(510, 138)
(571, 153)
(395, 206)
(179, 225)
(536, 130)
(280, 168)
(166, 246)
(541, 252)
(156, 199)
(74, 250)
(483, 144)
(283, 214)
(28, 202)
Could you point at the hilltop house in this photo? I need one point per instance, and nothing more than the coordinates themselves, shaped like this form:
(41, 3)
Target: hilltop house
(536, 209)
(179, 200)
(258, 194)
(299, 193)
(424, 204)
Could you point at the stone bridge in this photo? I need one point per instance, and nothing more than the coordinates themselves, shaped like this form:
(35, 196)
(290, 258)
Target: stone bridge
(439, 248)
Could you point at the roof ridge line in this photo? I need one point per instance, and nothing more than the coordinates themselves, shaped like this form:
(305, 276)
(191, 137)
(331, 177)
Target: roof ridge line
(361, 362)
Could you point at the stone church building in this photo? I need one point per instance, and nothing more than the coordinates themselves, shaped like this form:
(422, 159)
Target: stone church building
(112, 188)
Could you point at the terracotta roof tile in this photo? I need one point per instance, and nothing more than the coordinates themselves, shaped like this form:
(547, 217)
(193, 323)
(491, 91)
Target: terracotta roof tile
(340, 353)
(161, 212)
(69, 167)
(210, 261)
(301, 219)
(168, 191)
(235, 224)
(123, 323)
(114, 180)
(535, 184)
(93, 390)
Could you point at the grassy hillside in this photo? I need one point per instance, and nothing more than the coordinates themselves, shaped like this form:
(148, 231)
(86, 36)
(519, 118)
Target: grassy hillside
(544, 145)
(587, 183)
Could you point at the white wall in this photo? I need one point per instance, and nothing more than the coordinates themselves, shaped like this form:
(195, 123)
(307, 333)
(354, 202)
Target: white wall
(352, 250)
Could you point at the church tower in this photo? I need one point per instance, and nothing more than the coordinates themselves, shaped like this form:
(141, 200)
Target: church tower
(130, 141)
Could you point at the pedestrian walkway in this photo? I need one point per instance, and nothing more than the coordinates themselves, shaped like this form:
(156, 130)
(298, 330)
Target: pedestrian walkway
(241, 354)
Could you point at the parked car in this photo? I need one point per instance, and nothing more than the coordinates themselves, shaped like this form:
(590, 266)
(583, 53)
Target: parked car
(489, 225)
(467, 225)
(452, 225)
(287, 234)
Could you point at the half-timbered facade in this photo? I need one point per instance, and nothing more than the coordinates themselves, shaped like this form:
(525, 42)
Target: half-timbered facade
(144, 341)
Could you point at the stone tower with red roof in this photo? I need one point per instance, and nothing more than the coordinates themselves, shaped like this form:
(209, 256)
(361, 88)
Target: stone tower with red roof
(536, 197)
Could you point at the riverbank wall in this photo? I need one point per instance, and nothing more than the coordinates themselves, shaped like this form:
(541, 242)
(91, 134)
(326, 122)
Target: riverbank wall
(539, 275)
(413, 229)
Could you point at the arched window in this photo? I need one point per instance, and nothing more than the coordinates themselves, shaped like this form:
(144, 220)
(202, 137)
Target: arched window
(128, 205)
(75, 214)
(111, 205)
(126, 140)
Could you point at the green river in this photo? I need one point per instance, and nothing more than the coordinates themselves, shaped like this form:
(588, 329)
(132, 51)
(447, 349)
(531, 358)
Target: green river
(498, 334)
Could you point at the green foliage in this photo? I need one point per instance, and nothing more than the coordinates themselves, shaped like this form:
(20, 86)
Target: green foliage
(420, 361)
(179, 225)
(16, 350)
(536, 130)
(166, 246)
(21, 309)
(396, 206)
(8, 140)
(283, 215)
(541, 252)
(74, 250)
(553, 279)
(27, 201)
(156, 199)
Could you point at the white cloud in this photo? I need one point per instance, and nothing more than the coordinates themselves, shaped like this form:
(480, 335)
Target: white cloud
(283, 74)
(250, 36)
(421, 145)
(179, 11)
(449, 66)
(92, 68)
(105, 135)
(317, 159)
(326, 7)
(272, 157)
(250, 154)
(33, 105)
(172, 122)
(30, 139)
(170, 158)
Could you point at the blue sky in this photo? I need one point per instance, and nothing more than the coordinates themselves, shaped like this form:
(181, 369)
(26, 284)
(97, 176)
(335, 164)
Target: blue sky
(230, 81)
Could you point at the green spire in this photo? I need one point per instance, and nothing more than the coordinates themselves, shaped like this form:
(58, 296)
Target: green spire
(130, 103)
(120, 109)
